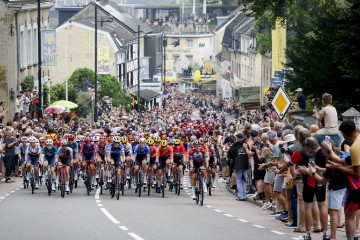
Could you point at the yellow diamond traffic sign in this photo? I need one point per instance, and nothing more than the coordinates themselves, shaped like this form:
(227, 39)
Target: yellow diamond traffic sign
(281, 103)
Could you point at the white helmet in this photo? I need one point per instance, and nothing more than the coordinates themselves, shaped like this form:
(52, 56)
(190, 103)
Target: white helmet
(37, 140)
(32, 139)
(142, 140)
(64, 142)
(49, 142)
(96, 138)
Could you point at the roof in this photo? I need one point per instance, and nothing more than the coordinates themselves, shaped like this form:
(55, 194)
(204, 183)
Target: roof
(227, 39)
(118, 12)
(120, 34)
(351, 112)
(147, 94)
(229, 19)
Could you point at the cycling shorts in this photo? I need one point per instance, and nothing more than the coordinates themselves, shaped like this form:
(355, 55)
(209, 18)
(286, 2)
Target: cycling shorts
(116, 158)
(178, 160)
(88, 157)
(65, 161)
(152, 160)
(197, 165)
(102, 157)
(162, 162)
(50, 160)
(33, 159)
(139, 159)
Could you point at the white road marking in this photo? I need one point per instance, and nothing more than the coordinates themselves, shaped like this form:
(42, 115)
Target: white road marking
(217, 210)
(17, 189)
(12, 191)
(109, 216)
(8, 194)
(228, 215)
(277, 232)
(123, 228)
(242, 220)
(97, 194)
(188, 193)
(135, 236)
(208, 206)
(258, 226)
(97, 201)
(100, 205)
(2, 198)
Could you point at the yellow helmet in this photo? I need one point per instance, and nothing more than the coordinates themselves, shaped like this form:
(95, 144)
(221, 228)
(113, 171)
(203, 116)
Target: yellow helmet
(157, 139)
(176, 142)
(149, 141)
(164, 143)
(124, 139)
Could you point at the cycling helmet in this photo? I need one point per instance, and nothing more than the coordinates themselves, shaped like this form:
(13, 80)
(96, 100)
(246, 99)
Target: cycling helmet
(49, 142)
(102, 139)
(53, 136)
(58, 143)
(81, 138)
(48, 136)
(171, 134)
(36, 141)
(64, 142)
(96, 138)
(70, 137)
(196, 143)
(24, 139)
(193, 138)
(176, 142)
(124, 139)
(116, 139)
(150, 141)
(32, 140)
(164, 143)
(87, 140)
(142, 140)
(157, 139)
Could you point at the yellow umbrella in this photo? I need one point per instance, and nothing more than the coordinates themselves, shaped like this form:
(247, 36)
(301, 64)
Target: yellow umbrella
(65, 103)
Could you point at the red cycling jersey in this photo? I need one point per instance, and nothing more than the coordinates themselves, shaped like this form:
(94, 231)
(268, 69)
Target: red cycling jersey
(164, 152)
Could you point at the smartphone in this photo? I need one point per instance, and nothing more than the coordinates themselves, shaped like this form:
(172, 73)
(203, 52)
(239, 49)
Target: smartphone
(312, 162)
(327, 139)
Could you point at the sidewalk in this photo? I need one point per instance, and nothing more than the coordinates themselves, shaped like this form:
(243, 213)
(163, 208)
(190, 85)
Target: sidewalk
(340, 232)
(6, 188)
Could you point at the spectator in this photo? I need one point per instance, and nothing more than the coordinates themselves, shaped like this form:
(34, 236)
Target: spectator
(9, 153)
(240, 153)
(329, 121)
(3, 112)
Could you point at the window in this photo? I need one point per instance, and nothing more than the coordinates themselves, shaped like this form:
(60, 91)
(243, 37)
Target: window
(189, 59)
(22, 50)
(190, 43)
(174, 41)
(29, 47)
(176, 58)
(35, 44)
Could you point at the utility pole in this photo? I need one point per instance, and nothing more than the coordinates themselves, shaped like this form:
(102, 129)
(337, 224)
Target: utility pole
(39, 58)
(96, 67)
(138, 63)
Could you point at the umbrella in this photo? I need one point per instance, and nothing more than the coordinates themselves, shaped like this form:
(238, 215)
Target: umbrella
(55, 109)
(65, 103)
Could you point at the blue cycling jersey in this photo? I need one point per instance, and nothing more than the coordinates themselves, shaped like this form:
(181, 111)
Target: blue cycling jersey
(139, 151)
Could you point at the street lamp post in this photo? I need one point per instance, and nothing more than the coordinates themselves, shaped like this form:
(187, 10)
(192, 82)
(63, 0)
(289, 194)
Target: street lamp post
(138, 63)
(164, 43)
(39, 58)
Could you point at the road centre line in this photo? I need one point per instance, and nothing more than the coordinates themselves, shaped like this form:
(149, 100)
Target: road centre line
(277, 232)
(123, 228)
(242, 220)
(135, 236)
(109, 216)
(258, 226)
(228, 215)
(216, 210)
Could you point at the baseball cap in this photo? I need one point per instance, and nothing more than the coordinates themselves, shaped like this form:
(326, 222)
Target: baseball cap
(228, 139)
(239, 135)
(347, 127)
(299, 90)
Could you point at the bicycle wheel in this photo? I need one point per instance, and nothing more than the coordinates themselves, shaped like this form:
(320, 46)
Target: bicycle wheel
(197, 195)
(163, 186)
(209, 184)
(178, 185)
(88, 182)
(75, 184)
(24, 181)
(149, 183)
(201, 192)
(112, 189)
(140, 183)
(117, 187)
(48, 182)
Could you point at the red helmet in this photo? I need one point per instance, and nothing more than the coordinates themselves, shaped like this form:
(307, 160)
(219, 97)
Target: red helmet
(88, 140)
(58, 142)
(70, 137)
(102, 139)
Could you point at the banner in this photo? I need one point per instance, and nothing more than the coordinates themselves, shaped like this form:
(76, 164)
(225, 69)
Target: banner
(144, 68)
(278, 45)
(48, 47)
(103, 60)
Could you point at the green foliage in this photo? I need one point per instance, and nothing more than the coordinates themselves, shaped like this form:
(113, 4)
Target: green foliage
(46, 92)
(57, 92)
(257, 8)
(263, 27)
(85, 105)
(28, 82)
(110, 86)
(77, 76)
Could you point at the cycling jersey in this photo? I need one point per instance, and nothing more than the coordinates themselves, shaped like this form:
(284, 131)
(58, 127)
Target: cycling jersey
(197, 156)
(128, 149)
(101, 150)
(164, 152)
(49, 155)
(141, 154)
(64, 156)
(33, 151)
(22, 149)
(115, 152)
(88, 151)
(75, 148)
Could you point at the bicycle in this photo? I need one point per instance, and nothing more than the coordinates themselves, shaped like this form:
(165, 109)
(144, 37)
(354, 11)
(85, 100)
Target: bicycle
(199, 188)
(139, 182)
(32, 179)
(72, 179)
(130, 177)
(209, 180)
(62, 180)
(177, 182)
(48, 181)
(149, 178)
(123, 180)
(162, 186)
(87, 179)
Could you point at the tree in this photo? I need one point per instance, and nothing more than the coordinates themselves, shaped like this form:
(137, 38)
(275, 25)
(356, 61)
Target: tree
(110, 86)
(79, 75)
(46, 92)
(58, 92)
(27, 82)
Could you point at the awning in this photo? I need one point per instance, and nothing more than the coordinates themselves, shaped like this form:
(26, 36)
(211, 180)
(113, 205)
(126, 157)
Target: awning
(147, 94)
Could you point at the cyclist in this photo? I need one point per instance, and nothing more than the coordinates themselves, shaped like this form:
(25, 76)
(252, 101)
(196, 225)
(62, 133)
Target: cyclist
(116, 155)
(128, 154)
(48, 153)
(199, 159)
(33, 156)
(75, 148)
(164, 156)
(179, 153)
(88, 155)
(142, 157)
(212, 162)
(153, 150)
(101, 150)
(22, 148)
(64, 157)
